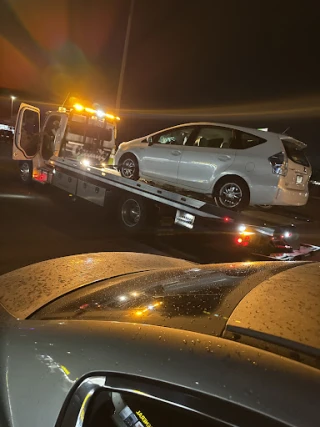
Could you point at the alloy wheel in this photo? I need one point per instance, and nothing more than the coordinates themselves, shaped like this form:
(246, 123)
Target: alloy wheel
(230, 195)
(128, 168)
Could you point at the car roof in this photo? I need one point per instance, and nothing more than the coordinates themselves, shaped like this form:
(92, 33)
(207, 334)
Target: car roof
(25, 290)
(257, 132)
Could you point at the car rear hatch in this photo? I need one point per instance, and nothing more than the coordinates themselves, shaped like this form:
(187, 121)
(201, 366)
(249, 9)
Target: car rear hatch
(298, 166)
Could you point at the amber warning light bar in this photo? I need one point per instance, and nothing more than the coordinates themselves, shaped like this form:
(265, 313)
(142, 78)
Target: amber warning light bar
(80, 108)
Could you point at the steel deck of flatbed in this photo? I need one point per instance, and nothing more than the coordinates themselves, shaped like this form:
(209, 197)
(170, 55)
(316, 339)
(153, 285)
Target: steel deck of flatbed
(193, 205)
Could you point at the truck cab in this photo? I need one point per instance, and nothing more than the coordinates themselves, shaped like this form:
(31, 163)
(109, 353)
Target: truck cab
(77, 134)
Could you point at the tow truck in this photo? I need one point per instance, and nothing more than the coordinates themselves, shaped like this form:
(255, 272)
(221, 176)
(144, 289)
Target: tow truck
(73, 152)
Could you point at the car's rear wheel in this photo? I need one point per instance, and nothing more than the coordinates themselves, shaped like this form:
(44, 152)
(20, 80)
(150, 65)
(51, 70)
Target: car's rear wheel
(129, 167)
(232, 193)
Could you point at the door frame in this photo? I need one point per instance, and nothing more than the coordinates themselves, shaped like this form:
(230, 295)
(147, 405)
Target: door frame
(18, 152)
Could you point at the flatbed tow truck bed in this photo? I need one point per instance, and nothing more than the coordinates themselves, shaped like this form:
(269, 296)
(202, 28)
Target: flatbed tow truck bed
(139, 202)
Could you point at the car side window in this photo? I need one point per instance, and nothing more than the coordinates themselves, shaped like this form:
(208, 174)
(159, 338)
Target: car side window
(248, 141)
(130, 409)
(121, 400)
(174, 137)
(215, 137)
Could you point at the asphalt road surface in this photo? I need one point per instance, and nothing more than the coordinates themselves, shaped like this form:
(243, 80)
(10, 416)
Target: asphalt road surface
(40, 222)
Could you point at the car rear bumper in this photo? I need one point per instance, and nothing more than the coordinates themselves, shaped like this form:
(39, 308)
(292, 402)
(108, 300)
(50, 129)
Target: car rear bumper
(278, 196)
(285, 197)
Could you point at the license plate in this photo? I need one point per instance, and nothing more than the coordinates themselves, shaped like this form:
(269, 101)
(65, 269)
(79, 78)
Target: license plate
(299, 179)
(184, 219)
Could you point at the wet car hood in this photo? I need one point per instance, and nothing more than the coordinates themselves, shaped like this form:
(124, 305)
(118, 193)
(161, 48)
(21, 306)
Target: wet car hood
(25, 290)
(286, 306)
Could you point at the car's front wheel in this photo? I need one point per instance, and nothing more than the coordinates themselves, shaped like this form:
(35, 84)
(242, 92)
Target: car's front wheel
(232, 193)
(129, 167)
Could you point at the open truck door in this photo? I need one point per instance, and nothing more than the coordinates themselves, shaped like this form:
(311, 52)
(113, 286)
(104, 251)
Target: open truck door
(26, 140)
(27, 133)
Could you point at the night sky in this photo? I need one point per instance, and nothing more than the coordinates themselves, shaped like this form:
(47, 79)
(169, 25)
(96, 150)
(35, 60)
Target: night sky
(247, 62)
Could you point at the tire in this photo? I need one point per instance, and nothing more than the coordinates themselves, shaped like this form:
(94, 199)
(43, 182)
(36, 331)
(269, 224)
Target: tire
(133, 213)
(25, 168)
(232, 192)
(129, 167)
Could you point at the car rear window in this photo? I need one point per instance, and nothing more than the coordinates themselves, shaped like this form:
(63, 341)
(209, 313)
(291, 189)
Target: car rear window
(295, 151)
(247, 140)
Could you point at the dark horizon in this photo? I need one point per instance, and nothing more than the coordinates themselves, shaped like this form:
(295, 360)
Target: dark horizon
(230, 62)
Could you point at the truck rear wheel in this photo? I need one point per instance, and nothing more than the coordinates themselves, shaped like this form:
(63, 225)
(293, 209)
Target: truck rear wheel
(133, 213)
(25, 167)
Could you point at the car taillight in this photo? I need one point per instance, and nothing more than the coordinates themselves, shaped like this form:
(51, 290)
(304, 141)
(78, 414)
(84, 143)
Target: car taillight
(279, 164)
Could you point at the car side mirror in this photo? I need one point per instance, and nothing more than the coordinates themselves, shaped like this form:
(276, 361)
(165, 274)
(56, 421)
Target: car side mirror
(149, 140)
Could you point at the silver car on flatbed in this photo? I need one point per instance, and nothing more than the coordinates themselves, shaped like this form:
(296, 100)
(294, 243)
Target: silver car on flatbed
(124, 339)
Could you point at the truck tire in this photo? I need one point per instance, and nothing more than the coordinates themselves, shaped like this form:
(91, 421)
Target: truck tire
(232, 192)
(25, 168)
(133, 213)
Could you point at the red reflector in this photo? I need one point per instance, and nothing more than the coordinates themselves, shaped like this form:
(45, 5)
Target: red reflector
(243, 241)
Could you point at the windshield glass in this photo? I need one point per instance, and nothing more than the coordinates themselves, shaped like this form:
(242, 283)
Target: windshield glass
(88, 139)
(196, 299)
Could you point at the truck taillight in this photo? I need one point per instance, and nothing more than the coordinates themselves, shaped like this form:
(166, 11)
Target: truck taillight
(243, 240)
(279, 164)
(40, 176)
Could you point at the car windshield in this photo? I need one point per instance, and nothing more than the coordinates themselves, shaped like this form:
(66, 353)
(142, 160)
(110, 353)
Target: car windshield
(195, 299)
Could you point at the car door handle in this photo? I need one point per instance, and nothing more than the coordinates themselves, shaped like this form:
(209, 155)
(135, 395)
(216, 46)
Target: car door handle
(224, 158)
(176, 152)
